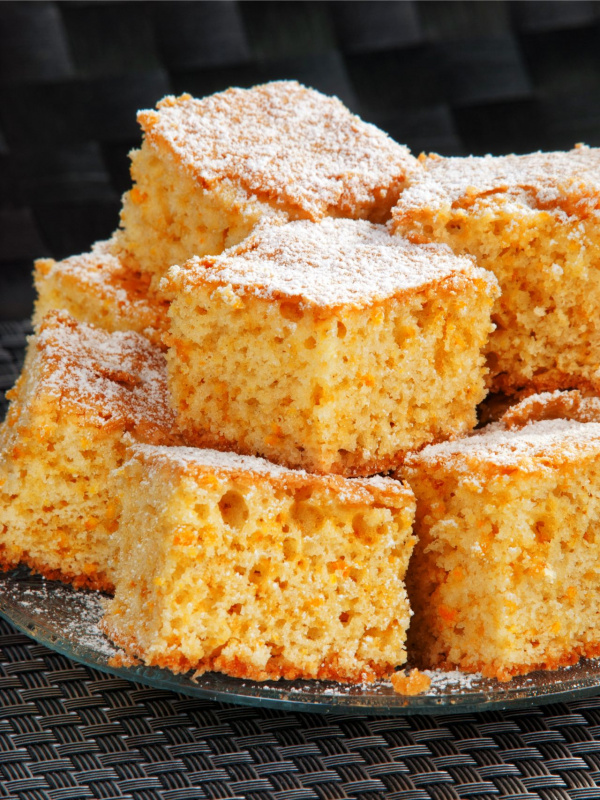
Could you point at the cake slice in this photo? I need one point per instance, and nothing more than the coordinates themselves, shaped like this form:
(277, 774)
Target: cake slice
(209, 169)
(258, 571)
(505, 576)
(330, 346)
(81, 389)
(553, 405)
(98, 288)
(534, 221)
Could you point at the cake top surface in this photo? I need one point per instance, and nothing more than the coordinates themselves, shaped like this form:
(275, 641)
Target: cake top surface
(186, 459)
(108, 378)
(566, 180)
(537, 443)
(282, 141)
(553, 405)
(329, 263)
(103, 273)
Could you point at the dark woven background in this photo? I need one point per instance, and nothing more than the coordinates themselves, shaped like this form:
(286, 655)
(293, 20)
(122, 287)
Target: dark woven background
(455, 77)
(447, 76)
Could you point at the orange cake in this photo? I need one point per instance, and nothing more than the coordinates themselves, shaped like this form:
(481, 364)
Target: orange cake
(553, 405)
(330, 346)
(98, 288)
(258, 571)
(504, 578)
(209, 169)
(533, 220)
(81, 389)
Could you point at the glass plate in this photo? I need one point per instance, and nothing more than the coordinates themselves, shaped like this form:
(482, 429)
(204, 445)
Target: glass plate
(66, 620)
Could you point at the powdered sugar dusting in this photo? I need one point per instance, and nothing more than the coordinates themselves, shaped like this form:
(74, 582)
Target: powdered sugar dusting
(524, 447)
(328, 263)
(536, 179)
(442, 682)
(103, 273)
(93, 268)
(75, 614)
(281, 140)
(185, 457)
(109, 376)
(553, 405)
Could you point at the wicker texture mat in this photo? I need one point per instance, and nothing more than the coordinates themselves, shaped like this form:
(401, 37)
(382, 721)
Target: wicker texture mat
(13, 340)
(68, 732)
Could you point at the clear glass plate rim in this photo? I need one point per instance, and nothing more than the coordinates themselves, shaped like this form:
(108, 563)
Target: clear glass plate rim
(319, 697)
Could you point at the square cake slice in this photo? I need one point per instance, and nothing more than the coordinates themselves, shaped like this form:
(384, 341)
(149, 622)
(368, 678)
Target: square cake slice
(505, 576)
(81, 389)
(258, 571)
(209, 169)
(98, 288)
(534, 220)
(330, 346)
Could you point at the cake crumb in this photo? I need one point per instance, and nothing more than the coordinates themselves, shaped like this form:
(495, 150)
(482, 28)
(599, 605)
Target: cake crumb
(410, 683)
(123, 659)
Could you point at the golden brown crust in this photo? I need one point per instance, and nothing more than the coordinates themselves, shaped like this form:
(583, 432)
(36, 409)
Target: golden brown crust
(354, 468)
(557, 182)
(100, 288)
(95, 580)
(496, 405)
(237, 264)
(275, 669)
(565, 461)
(569, 657)
(111, 381)
(556, 405)
(359, 490)
(550, 381)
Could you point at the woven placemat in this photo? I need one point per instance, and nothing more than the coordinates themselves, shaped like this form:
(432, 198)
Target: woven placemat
(69, 732)
(13, 341)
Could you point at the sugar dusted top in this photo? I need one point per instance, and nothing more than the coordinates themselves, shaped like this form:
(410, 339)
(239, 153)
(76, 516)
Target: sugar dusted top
(328, 263)
(103, 272)
(528, 448)
(553, 405)
(108, 378)
(566, 180)
(195, 458)
(285, 143)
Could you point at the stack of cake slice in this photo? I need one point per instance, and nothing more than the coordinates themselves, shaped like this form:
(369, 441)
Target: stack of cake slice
(242, 566)
(332, 346)
(289, 283)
